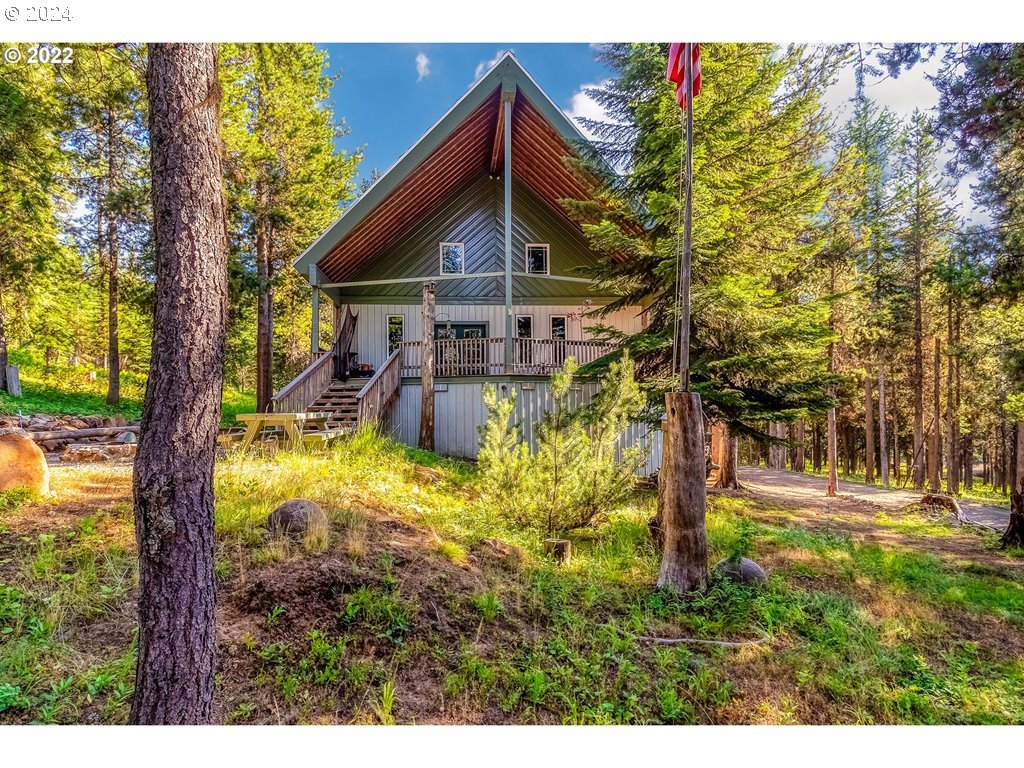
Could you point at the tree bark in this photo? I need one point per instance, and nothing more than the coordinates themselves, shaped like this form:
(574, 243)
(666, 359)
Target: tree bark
(816, 446)
(427, 370)
(798, 432)
(935, 448)
(832, 455)
(264, 301)
(113, 247)
(883, 439)
(1014, 534)
(682, 501)
(869, 432)
(3, 345)
(173, 482)
(727, 457)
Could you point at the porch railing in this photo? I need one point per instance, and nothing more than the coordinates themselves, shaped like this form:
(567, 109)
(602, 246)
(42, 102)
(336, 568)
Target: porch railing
(486, 357)
(302, 391)
(378, 393)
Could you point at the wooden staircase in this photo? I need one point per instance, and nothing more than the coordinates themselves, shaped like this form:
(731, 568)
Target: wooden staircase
(340, 399)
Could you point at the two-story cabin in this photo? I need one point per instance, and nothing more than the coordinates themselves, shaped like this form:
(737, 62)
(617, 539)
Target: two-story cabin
(473, 208)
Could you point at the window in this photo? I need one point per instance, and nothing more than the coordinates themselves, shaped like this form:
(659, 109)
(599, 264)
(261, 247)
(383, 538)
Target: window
(453, 258)
(524, 326)
(559, 326)
(537, 258)
(396, 332)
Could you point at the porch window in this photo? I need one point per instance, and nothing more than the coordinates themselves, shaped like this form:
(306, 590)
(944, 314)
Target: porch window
(537, 258)
(453, 258)
(396, 332)
(524, 326)
(559, 327)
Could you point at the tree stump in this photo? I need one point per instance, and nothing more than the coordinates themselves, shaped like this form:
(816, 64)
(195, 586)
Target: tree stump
(558, 549)
(946, 502)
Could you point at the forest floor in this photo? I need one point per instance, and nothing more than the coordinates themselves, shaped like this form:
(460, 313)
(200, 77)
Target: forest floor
(421, 605)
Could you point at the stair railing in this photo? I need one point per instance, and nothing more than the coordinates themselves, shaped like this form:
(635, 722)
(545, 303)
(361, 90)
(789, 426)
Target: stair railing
(381, 390)
(302, 391)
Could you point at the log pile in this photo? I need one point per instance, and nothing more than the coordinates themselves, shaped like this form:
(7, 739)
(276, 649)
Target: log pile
(87, 435)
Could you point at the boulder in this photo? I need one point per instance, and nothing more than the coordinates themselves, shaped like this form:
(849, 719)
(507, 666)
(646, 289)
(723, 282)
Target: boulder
(115, 421)
(127, 437)
(743, 571)
(296, 517)
(22, 465)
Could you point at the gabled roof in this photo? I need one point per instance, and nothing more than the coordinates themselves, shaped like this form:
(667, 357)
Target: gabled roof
(464, 144)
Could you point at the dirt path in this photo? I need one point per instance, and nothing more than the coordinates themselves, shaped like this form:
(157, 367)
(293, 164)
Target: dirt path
(806, 489)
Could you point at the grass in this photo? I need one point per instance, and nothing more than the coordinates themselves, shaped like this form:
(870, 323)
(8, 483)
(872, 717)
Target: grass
(853, 631)
(82, 391)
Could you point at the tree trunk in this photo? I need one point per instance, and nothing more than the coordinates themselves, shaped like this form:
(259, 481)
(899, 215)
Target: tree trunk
(952, 437)
(113, 259)
(682, 501)
(897, 460)
(427, 370)
(832, 458)
(3, 345)
(264, 301)
(883, 439)
(173, 483)
(918, 382)
(935, 448)
(727, 458)
(869, 432)
(816, 446)
(1014, 534)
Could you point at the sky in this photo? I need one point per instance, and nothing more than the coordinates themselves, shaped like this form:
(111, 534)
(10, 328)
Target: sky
(391, 93)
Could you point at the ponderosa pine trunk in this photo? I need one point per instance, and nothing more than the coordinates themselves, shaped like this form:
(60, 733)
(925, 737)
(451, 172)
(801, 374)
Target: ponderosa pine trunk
(883, 438)
(682, 498)
(935, 447)
(173, 482)
(799, 462)
(264, 301)
(869, 432)
(816, 446)
(3, 345)
(113, 246)
(1014, 534)
(832, 456)
(727, 457)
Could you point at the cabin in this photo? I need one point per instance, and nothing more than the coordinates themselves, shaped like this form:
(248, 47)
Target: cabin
(463, 249)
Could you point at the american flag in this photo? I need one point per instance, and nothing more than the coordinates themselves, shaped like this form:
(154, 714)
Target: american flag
(677, 70)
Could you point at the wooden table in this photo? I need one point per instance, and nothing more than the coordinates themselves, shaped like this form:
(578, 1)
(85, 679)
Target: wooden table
(292, 424)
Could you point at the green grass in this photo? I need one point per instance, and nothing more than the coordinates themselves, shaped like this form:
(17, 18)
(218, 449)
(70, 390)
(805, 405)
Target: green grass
(68, 391)
(854, 632)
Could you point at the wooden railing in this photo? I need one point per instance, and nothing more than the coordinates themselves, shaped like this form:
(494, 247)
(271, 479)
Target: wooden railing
(486, 357)
(379, 392)
(302, 391)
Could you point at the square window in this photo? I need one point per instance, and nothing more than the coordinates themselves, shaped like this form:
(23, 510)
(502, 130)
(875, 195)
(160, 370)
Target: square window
(453, 258)
(524, 326)
(558, 327)
(396, 332)
(537, 258)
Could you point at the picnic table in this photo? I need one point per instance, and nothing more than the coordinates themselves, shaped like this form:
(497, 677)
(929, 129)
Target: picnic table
(292, 424)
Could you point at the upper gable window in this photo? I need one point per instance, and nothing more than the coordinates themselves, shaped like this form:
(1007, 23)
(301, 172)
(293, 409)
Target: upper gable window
(453, 258)
(538, 258)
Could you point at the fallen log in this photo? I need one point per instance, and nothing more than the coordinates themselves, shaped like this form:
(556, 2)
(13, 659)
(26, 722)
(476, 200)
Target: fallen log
(72, 434)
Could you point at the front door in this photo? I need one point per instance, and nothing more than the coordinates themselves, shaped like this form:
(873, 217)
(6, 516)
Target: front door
(460, 349)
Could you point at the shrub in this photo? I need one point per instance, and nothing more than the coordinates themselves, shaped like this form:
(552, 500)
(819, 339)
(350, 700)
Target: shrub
(576, 475)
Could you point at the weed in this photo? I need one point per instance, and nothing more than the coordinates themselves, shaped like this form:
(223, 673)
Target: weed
(489, 605)
(385, 703)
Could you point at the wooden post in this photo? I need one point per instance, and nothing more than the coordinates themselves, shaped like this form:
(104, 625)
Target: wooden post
(314, 332)
(508, 99)
(682, 501)
(427, 370)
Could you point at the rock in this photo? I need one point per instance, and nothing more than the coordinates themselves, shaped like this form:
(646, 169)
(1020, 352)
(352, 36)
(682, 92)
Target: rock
(87, 452)
(22, 465)
(50, 445)
(296, 517)
(744, 571)
(78, 424)
(115, 421)
(93, 421)
(127, 437)
(15, 431)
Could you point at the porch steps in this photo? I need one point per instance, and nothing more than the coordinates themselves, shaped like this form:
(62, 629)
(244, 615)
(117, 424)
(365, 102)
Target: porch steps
(340, 399)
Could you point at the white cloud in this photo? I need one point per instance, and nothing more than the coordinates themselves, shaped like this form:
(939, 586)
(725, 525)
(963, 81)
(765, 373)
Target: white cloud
(422, 66)
(483, 66)
(582, 105)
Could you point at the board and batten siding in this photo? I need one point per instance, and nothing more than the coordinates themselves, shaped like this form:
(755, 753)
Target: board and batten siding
(460, 412)
(371, 324)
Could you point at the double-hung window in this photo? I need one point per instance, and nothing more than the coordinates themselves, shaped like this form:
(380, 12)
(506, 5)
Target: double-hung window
(453, 258)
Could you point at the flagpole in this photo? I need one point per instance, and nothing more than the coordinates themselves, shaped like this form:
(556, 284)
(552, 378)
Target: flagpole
(684, 340)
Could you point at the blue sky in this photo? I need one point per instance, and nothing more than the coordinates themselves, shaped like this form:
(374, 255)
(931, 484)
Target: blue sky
(391, 93)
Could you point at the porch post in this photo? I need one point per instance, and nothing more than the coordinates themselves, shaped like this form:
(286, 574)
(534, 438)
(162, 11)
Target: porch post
(314, 331)
(508, 97)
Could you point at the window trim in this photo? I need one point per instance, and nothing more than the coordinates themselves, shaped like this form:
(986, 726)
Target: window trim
(529, 315)
(551, 328)
(440, 258)
(547, 258)
(387, 331)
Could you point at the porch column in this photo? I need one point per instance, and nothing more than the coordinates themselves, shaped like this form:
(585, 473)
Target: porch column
(314, 332)
(508, 97)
